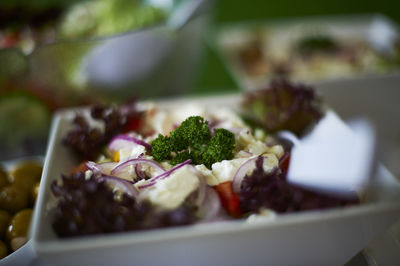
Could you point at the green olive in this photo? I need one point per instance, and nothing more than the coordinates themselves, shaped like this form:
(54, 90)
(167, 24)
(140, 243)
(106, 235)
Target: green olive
(3, 177)
(17, 242)
(25, 175)
(3, 250)
(35, 191)
(19, 224)
(13, 198)
(4, 221)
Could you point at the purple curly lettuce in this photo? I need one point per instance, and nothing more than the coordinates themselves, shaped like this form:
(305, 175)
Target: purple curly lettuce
(272, 191)
(89, 206)
(282, 106)
(87, 142)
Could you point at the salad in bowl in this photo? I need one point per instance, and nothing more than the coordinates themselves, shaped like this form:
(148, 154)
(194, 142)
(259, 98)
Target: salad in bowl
(143, 182)
(143, 167)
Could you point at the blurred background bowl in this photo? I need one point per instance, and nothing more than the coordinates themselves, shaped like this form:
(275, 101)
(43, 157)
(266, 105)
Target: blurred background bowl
(43, 68)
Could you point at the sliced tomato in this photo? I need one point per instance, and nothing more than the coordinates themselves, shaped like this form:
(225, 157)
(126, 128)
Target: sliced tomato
(133, 124)
(284, 163)
(80, 168)
(229, 199)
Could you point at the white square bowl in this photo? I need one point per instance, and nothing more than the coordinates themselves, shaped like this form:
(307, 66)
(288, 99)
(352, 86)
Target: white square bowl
(328, 237)
(277, 37)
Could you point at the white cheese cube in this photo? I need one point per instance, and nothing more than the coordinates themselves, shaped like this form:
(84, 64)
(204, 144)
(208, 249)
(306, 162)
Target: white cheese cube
(226, 169)
(171, 192)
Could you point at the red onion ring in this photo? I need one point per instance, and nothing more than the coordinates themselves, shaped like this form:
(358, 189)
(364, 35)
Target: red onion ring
(168, 172)
(136, 161)
(173, 169)
(120, 141)
(242, 172)
(139, 173)
(243, 153)
(202, 190)
(125, 185)
(102, 168)
(152, 181)
(211, 204)
(147, 185)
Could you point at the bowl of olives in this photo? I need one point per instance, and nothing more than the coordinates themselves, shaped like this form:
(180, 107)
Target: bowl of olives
(19, 186)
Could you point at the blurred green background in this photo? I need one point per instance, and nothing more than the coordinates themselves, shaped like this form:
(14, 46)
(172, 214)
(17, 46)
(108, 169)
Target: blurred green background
(213, 76)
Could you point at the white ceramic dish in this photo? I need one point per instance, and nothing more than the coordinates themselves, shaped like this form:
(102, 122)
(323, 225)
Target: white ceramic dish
(328, 237)
(275, 38)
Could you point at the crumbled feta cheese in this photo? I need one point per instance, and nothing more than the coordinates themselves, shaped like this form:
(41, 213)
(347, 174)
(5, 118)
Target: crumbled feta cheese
(162, 122)
(140, 183)
(243, 154)
(257, 147)
(247, 142)
(242, 139)
(259, 134)
(211, 180)
(180, 114)
(131, 152)
(226, 169)
(88, 174)
(229, 120)
(265, 215)
(271, 162)
(277, 150)
(170, 193)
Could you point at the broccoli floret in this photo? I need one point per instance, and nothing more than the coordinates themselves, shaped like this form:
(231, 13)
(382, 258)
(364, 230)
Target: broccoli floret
(193, 140)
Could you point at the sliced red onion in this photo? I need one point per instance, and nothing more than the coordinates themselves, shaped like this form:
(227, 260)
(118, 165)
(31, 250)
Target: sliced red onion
(121, 167)
(121, 141)
(123, 184)
(92, 166)
(102, 168)
(152, 181)
(242, 172)
(202, 190)
(139, 173)
(243, 153)
(211, 204)
(170, 171)
(147, 185)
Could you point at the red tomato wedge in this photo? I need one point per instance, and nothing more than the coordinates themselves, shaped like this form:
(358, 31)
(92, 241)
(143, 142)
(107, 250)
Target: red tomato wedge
(133, 124)
(284, 163)
(229, 199)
